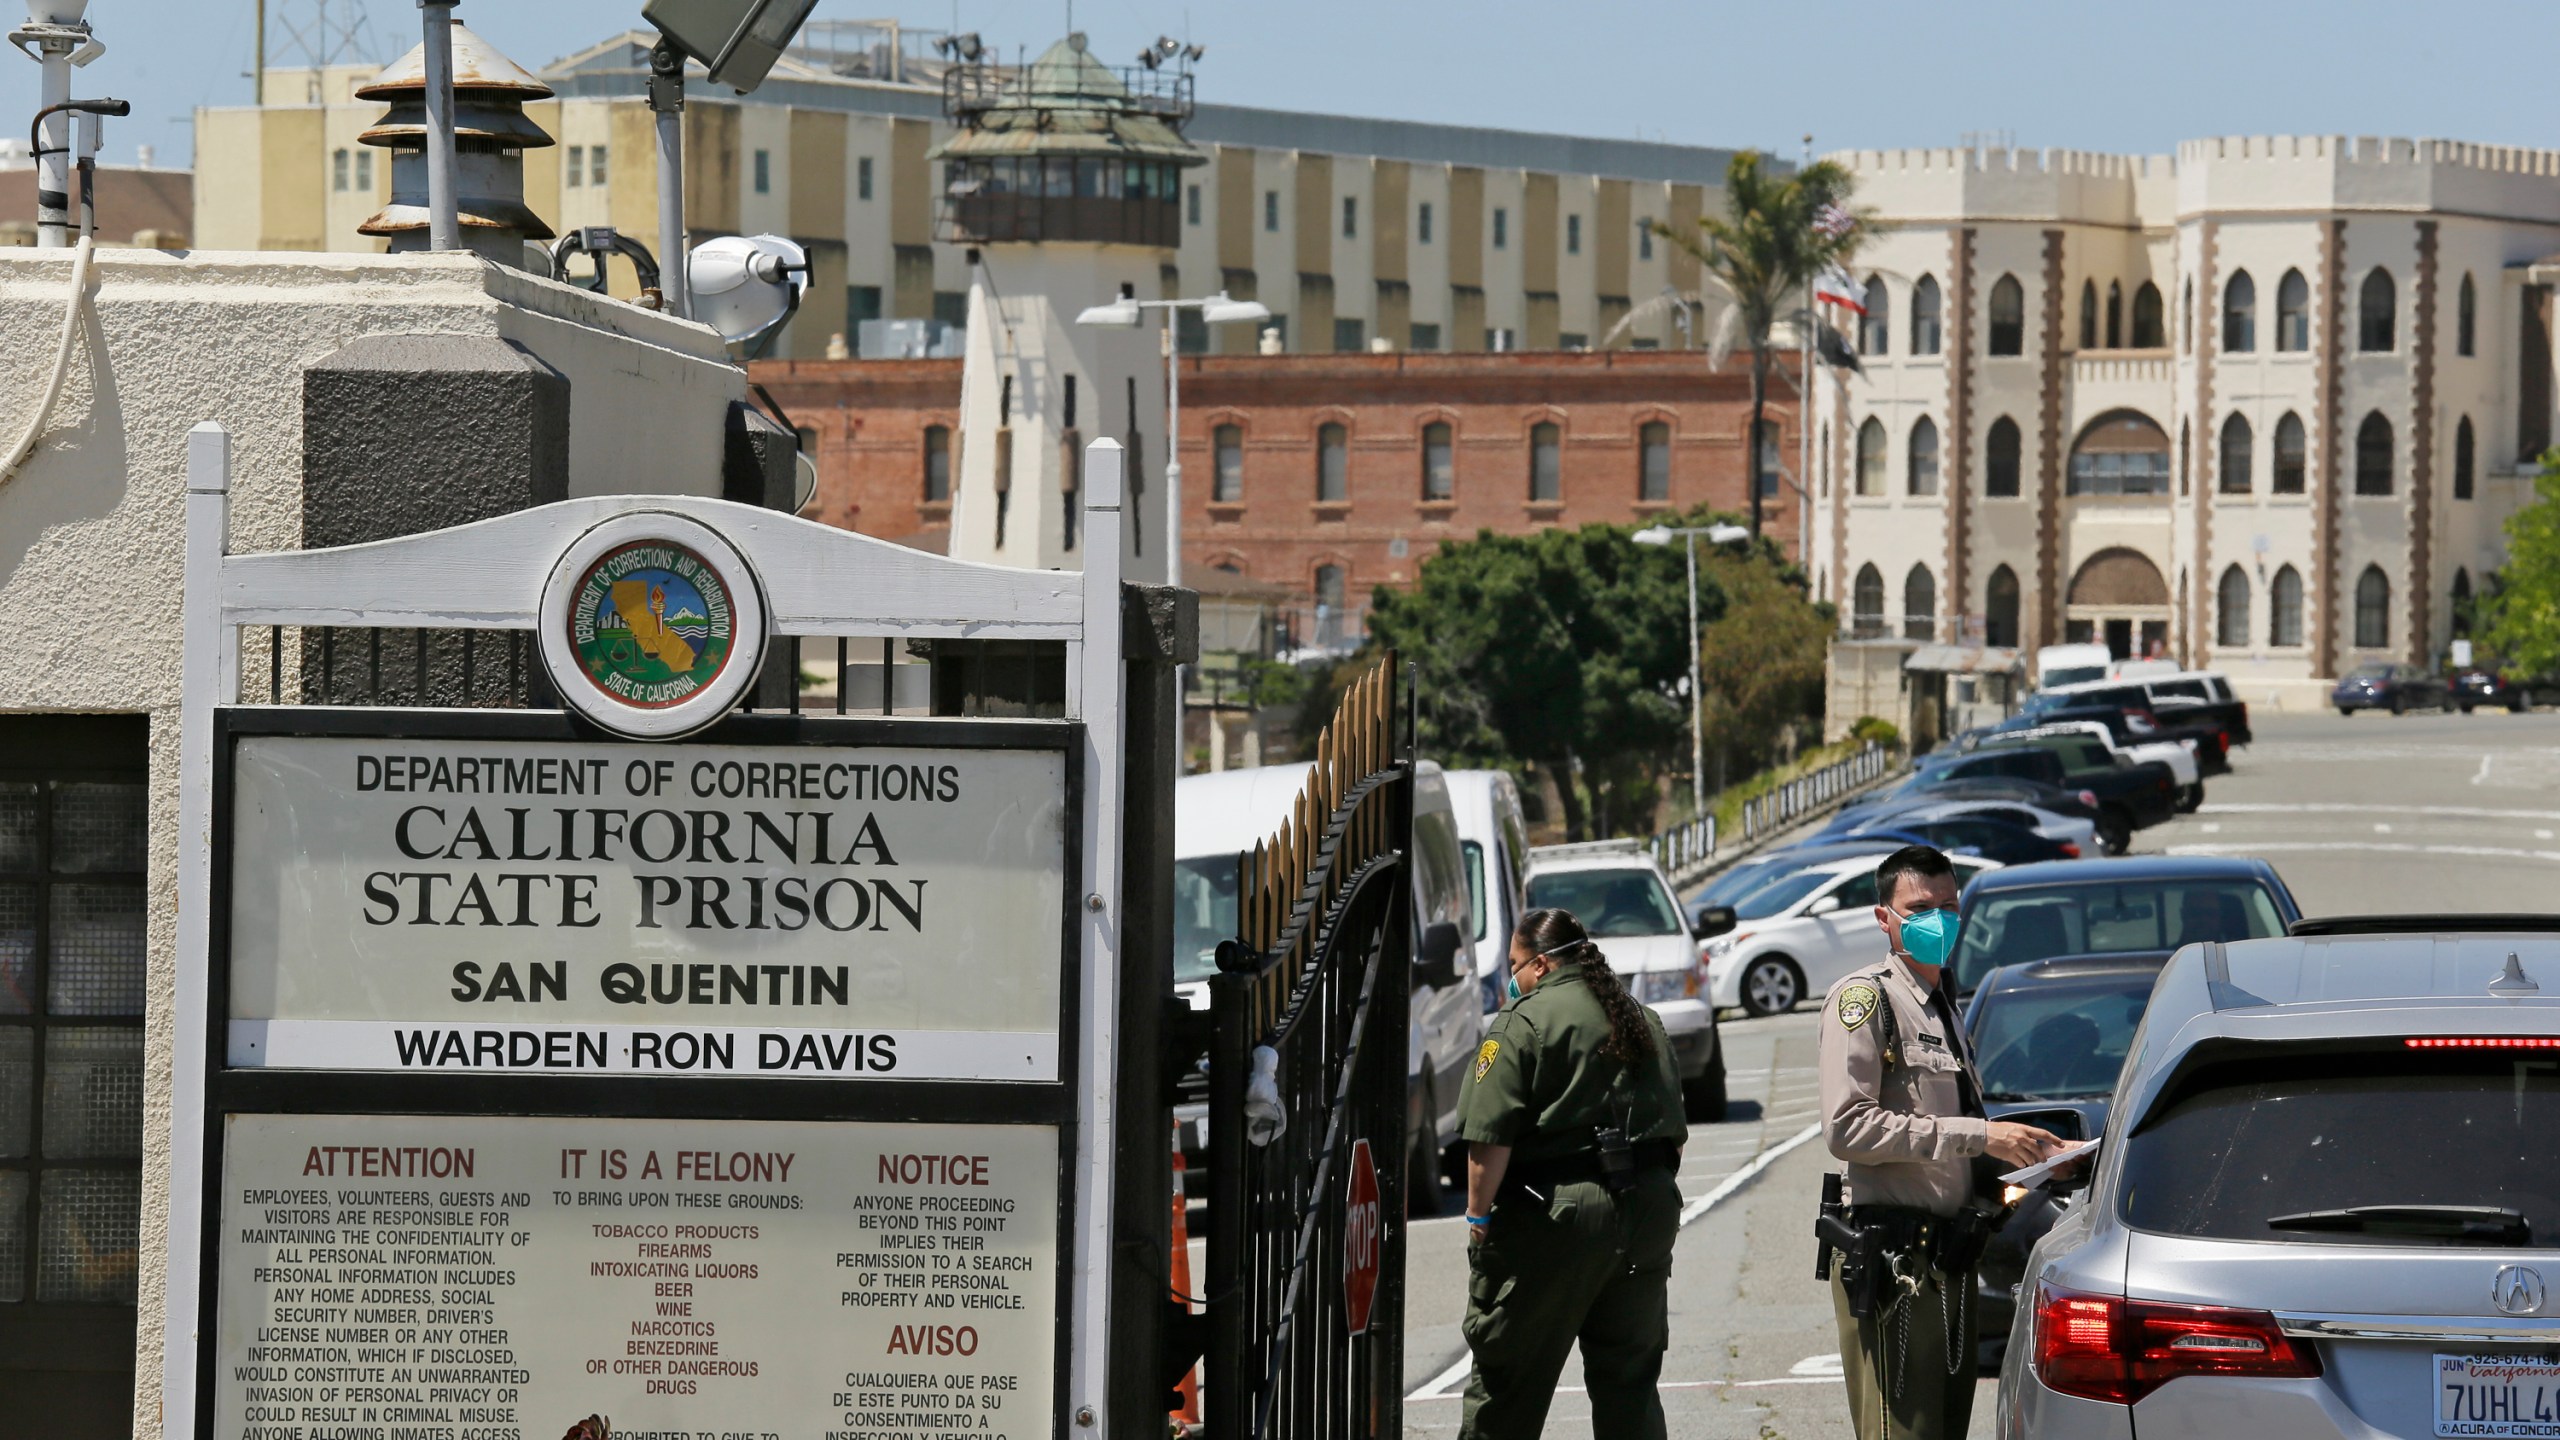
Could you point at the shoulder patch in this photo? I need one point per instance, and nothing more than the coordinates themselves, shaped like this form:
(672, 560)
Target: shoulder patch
(1858, 1001)
(1484, 1057)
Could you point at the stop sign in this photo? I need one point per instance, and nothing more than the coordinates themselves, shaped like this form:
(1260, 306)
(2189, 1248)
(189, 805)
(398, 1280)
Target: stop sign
(1360, 1241)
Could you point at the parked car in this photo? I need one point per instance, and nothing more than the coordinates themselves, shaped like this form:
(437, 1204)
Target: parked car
(1218, 815)
(2475, 686)
(1752, 872)
(2134, 905)
(1801, 932)
(1991, 839)
(2384, 685)
(2049, 1037)
(2058, 665)
(1936, 784)
(1622, 898)
(2131, 796)
(2326, 1203)
(1493, 840)
(2081, 834)
(2189, 696)
(2116, 731)
(2204, 738)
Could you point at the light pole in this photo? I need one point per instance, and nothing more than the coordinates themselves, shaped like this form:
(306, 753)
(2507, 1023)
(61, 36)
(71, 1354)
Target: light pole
(1126, 313)
(1716, 535)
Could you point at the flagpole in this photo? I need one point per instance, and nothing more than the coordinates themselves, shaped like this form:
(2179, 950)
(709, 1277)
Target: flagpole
(1804, 417)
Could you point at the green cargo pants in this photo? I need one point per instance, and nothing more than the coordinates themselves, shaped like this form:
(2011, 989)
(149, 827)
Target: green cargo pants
(1905, 1380)
(1582, 1267)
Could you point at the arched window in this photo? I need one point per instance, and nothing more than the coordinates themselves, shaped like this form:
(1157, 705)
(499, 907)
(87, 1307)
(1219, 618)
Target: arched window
(1333, 462)
(2008, 316)
(2466, 318)
(1823, 449)
(1227, 487)
(2291, 456)
(2185, 458)
(1876, 330)
(1923, 475)
(2376, 324)
(2284, 608)
(2186, 316)
(1331, 627)
(2088, 314)
(2240, 314)
(2373, 609)
(2373, 455)
(1653, 460)
(2000, 455)
(1919, 604)
(937, 463)
(2120, 453)
(1866, 603)
(1440, 463)
(2461, 602)
(2233, 476)
(1871, 457)
(2465, 453)
(2231, 609)
(1925, 316)
(2115, 315)
(2000, 608)
(2148, 333)
(2293, 312)
(1546, 461)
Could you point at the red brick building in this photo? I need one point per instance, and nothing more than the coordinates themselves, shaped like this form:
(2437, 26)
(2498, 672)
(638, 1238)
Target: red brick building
(1336, 474)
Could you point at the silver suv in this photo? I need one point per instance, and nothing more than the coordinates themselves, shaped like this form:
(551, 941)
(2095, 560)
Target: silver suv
(2328, 1203)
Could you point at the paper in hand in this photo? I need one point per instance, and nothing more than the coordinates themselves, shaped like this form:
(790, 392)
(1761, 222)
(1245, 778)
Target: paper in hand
(2034, 1175)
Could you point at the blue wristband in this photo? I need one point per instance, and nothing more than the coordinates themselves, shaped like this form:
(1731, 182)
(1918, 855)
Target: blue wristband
(1479, 1221)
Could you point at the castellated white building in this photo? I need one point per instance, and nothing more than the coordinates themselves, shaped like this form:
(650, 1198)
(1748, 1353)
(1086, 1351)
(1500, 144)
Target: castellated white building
(2261, 405)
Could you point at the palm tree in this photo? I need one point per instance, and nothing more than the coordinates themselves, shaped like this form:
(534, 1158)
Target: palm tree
(1764, 253)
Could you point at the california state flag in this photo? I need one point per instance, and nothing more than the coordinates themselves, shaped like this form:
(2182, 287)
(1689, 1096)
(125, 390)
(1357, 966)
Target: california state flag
(1834, 287)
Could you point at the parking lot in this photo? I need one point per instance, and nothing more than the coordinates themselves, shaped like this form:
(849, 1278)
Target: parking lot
(2364, 815)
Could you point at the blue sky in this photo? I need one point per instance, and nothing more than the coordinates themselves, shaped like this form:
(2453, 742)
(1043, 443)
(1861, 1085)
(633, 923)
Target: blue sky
(2130, 77)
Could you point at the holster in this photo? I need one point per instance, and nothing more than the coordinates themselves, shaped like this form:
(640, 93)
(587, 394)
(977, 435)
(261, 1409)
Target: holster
(1857, 1250)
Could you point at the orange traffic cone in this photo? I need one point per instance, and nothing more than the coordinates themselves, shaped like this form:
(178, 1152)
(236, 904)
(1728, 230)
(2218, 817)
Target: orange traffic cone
(1186, 1418)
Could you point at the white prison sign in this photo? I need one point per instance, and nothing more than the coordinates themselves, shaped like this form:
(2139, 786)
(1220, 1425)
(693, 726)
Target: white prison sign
(795, 911)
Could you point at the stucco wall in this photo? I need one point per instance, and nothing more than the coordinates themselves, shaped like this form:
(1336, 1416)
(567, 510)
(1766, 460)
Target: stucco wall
(91, 528)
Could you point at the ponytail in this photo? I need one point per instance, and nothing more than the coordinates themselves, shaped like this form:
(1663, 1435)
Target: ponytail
(1558, 935)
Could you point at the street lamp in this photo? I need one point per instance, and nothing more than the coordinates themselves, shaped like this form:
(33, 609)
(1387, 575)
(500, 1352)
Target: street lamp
(1716, 535)
(1125, 313)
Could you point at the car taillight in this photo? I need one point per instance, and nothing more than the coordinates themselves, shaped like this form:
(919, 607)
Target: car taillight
(2483, 1042)
(2089, 798)
(2099, 1347)
(2070, 849)
(2222, 742)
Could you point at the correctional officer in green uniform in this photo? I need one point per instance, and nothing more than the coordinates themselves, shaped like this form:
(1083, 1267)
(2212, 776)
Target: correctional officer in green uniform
(1573, 1128)
(1902, 1105)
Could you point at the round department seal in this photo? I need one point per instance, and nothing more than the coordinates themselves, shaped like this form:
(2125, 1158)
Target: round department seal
(652, 625)
(1857, 1003)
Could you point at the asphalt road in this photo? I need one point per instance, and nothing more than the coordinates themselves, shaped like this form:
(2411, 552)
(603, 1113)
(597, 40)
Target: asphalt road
(2365, 815)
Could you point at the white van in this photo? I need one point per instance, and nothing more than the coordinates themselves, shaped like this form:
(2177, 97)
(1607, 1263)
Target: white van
(1218, 816)
(2060, 665)
(1495, 839)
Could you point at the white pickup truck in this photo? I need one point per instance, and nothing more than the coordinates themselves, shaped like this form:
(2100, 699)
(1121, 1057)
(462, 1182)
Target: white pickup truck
(2178, 755)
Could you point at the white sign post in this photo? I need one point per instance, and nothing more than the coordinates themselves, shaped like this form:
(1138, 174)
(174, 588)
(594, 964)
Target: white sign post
(463, 993)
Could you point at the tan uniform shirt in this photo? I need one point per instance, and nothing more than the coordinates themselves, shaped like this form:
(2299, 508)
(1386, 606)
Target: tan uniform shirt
(1898, 1122)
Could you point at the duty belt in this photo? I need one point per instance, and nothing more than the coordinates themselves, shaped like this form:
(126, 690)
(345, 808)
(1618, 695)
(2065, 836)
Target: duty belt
(1584, 1167)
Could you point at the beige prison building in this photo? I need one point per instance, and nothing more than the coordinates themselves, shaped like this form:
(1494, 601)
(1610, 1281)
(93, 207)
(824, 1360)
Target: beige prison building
(1353, 231)
(2262, 404)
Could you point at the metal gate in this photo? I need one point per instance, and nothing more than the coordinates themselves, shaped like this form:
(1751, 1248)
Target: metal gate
(1308, 1096)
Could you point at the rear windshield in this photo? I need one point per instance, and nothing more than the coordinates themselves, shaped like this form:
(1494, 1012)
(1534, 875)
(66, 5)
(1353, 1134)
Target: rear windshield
(2246, 1143)
(1741, 880)
(2183, 689)
(1781, 892)
(2059, 1040)
(2073, 675)
(1609, 903)
(2370, 672)
(2108, 917)
(1204, 913)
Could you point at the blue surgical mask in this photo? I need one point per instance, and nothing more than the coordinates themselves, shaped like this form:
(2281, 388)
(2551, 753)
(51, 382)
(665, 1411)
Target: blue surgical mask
(1510, 987)
(1928, 936)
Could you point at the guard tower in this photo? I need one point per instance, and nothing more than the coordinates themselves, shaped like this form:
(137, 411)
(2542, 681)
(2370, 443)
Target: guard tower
(1066, 179)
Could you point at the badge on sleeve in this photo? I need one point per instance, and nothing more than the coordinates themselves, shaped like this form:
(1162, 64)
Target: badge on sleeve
(1857, 1002)
(1484, 1057)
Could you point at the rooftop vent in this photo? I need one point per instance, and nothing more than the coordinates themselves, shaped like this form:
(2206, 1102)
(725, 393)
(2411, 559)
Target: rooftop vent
(491, 134)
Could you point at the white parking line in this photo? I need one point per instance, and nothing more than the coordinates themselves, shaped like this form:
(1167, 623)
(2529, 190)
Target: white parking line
(2454, 812)
(2482, 777)
(2483, 852)
(1438, 1387)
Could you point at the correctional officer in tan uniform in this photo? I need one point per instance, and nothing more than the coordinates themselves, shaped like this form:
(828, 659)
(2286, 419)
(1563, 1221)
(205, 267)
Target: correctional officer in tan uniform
(1573, 1127)
(1902, 1107)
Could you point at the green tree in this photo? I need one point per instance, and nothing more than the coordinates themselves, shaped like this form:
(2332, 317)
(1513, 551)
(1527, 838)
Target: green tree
(1761, 663)
(1764, 253)
(1562, 648)
(2519, 613)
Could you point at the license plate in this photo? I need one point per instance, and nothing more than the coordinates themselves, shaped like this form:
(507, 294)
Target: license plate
(2497, 1395)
